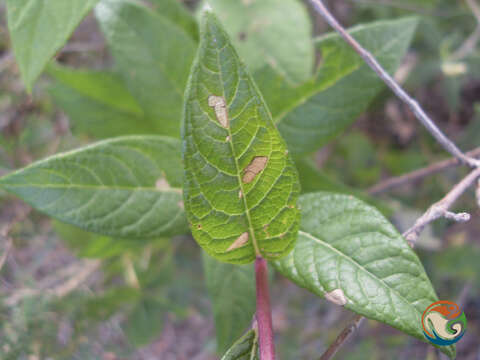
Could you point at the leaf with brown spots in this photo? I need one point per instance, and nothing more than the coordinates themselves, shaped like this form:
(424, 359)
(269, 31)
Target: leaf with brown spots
(239, 177)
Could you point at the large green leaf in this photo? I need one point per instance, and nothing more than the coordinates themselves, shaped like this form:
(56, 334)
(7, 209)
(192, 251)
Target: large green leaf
(241, 186)
(232, 292)
(246, 348)
(39, 28)
(310, 115)
(349, 253)
(126, 187)
(266, 33)
(153, 55)
(176, 12)
(98, 103)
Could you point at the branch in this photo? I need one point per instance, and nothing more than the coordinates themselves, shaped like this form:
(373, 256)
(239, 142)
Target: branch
(343, 337)
(264, 312)
(420, 114)
(419, 174)
(441, 208)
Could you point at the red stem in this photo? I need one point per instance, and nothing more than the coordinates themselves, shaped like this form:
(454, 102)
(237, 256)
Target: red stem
(264, 313)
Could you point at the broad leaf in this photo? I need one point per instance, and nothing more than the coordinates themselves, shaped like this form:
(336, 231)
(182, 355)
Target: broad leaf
(232, 292)
(175, 11)
(265, 33)
(153, 55)
(246, 348)
(98, 103)
(349, 253)
(241, 185)
(39, 28)
(126, 187)
(310, 115)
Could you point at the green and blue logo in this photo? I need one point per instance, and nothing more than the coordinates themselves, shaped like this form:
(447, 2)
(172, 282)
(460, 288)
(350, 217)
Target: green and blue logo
(444, 323)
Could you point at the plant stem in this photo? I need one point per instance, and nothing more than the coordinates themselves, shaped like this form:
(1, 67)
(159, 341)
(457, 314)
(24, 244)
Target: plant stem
(264, 312)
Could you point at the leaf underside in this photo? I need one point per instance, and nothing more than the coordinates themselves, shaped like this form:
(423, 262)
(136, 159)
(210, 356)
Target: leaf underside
(348, 249)
(125, 187)
(240, 186)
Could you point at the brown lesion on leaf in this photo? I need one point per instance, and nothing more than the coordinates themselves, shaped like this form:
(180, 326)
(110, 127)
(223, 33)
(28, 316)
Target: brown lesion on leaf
(239, 242)
(254, 168)
(220, 106)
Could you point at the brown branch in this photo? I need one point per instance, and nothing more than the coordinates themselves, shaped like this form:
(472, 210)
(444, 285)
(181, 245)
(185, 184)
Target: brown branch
(343, 337)
(419, 174)
(417, 110)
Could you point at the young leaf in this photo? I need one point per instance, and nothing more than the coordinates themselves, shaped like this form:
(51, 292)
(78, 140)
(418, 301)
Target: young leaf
(350, 254)
(241, 186)
(246, 348)
(98, 103)
(232, 292)
(152, 54)
(265, 33)
(311, 115)
(175, 11)
(126, 187)
(39, 28)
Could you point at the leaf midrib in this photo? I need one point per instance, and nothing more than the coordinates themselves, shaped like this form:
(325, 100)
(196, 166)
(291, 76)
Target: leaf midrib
(237, 167)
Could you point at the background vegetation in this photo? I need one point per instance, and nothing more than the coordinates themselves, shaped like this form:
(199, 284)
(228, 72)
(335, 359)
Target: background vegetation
(67, 294)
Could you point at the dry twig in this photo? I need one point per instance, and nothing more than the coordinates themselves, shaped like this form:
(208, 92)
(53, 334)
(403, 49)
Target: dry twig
(419, 174)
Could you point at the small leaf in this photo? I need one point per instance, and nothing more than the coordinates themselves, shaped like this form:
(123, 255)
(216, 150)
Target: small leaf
(126, 187)
(232, 292)
(241, 185)
(265, 33)
(350, 254)
(246, 348)
(310, 115)
(98, 103)
(152, 54)
(175, 11)
(38, 29)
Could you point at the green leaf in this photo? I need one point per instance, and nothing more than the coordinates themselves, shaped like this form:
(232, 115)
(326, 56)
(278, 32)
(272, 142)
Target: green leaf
(38, 29)
(241, 186)
(232, 292)
(153, 55)
(98, 103)
(308, 116)
(126, 187)
(175, 11)
(246, 348)
(349, 253)
(265, 33)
